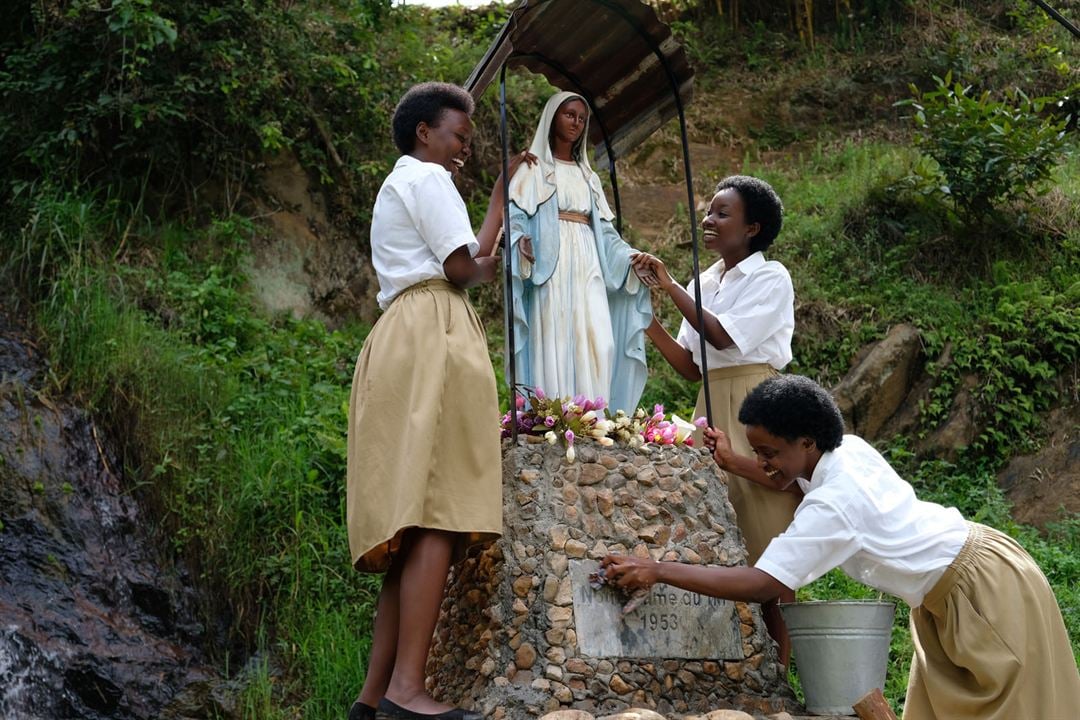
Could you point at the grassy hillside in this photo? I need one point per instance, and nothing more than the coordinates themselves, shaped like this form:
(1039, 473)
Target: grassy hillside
(129, 212)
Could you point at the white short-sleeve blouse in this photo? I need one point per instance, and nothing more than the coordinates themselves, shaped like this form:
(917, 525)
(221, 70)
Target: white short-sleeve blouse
(860, 515)
(418, 220)
(755, 303)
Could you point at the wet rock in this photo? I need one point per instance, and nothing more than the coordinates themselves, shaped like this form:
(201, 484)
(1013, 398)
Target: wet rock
(96, 623)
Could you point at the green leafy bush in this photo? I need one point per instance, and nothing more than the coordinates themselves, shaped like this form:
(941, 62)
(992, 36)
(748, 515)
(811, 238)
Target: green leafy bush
(987, 151)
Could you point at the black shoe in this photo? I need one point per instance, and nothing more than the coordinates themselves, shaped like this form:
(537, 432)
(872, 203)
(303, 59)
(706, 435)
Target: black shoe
(361, 711)
(389, 710)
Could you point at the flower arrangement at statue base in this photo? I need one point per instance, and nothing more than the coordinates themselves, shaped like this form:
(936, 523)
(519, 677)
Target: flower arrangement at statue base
(565, 420)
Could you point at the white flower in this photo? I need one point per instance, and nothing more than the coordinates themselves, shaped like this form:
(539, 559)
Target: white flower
(605, 441)
(684, 429)
(589, 416)
(550, 437)
(570, 454)
(636, 441)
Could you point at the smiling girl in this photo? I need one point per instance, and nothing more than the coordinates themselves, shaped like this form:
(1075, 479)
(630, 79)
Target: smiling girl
(424, 465)
(990, 641)
(749, 313)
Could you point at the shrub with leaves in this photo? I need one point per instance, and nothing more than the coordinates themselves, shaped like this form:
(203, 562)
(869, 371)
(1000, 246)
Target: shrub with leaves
(987, 152)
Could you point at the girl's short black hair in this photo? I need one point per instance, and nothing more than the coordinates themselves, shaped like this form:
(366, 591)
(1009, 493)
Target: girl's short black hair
(762, 204)
(425, 103)
(792, 407)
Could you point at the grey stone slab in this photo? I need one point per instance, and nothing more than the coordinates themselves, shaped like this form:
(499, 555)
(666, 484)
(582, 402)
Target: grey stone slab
(670, 623)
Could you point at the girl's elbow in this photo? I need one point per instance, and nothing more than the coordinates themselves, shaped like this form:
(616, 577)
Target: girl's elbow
(691, 374)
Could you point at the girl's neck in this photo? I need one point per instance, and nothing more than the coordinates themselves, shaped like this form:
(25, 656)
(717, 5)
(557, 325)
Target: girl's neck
(734, 258)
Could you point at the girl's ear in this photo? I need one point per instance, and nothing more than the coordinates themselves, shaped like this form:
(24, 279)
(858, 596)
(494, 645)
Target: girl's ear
(752, 229)
(422, 131)
(808, 443)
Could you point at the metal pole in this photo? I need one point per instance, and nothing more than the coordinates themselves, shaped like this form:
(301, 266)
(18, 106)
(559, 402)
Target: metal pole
(508, 286)
(1059, 17)
(614, 187)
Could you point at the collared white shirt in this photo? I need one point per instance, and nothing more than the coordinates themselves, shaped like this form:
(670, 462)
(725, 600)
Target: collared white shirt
(418, 220)
(860, 515)
(755, 303)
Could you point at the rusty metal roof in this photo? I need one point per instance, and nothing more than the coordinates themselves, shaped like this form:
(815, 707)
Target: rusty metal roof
(615, 53)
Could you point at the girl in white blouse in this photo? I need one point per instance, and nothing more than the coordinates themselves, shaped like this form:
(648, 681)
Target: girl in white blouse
(424, 475)
(990, 642)
(749, 315)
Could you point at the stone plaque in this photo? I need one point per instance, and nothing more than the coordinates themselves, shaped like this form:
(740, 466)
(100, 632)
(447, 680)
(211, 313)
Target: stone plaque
(670, 623)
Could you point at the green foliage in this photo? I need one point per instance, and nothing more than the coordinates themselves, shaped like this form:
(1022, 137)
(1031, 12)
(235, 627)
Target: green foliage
(238, 423)
(986, 151)
(179, 91)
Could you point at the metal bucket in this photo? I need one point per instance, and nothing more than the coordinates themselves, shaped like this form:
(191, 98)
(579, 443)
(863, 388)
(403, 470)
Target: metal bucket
(842, 650)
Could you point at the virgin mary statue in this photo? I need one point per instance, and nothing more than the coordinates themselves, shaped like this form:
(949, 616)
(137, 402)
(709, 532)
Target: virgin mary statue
(580, 312)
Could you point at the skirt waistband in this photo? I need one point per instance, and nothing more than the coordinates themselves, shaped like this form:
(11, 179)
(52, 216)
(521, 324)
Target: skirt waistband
(576, 217)
(432, 284)
(740, 370)
(964, 559)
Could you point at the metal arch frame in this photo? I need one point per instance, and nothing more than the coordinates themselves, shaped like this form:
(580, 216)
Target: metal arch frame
(1058, 17)
(691, 207)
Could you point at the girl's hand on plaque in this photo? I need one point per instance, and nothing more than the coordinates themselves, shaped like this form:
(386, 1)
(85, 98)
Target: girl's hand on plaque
(630, 573)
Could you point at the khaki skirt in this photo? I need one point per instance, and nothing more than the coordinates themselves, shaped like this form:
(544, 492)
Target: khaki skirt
(760, 512)
(990, 642)
(423, 428)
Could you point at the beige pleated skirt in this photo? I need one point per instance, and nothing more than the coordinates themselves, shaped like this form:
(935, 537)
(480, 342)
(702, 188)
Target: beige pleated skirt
(990, 642)
(423, 428)
(760, 512)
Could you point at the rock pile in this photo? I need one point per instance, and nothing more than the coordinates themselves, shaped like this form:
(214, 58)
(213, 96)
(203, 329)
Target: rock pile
(523, 634)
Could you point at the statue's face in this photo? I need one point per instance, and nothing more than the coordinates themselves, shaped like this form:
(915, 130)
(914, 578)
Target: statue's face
(724, 228)
(570, 121)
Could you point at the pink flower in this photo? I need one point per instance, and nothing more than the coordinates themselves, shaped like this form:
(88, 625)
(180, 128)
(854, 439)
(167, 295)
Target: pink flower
(520, 402)
(689, 442)
(539, 394)
(701, 423)
(569, 435)
(549, 421)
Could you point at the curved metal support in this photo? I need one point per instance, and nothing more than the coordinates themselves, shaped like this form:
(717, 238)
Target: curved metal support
(1059, 17)
(508, 289)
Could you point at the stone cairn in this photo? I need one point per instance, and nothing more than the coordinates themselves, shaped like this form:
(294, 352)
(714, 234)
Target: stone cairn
(522, 632)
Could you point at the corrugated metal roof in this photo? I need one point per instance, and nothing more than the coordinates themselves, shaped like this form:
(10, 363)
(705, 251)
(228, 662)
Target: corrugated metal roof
(616, 53)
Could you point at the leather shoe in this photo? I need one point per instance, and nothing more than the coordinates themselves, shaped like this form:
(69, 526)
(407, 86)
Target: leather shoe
(389, 710)
(361, 711)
